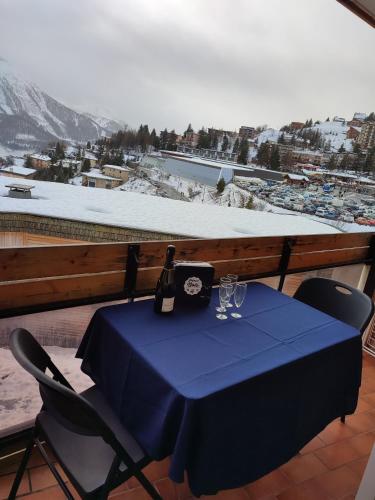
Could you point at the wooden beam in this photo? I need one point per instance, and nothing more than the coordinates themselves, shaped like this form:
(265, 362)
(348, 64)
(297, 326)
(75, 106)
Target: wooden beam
(360, 10)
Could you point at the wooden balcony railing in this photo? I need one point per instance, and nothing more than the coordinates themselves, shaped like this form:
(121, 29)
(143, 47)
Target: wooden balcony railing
(34, 279)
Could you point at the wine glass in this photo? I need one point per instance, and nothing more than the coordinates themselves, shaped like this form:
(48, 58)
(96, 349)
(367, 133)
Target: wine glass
(224, 293)
(224, 281)
(233, 280)
(239, 297)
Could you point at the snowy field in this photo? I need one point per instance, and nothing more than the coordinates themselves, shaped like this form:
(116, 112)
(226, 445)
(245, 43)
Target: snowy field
(19, 394)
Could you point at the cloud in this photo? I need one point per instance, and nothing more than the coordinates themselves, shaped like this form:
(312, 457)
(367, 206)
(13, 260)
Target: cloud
(212, 62)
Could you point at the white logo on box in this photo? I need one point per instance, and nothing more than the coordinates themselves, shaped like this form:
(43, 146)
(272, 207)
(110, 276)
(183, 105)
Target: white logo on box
(193, 285)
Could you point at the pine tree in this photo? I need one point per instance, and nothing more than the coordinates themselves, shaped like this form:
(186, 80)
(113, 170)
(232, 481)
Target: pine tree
(331, 165)
(203, 139)
(188, 130)
(263, 155)
(327, 120)
(250, 203)
(88, 145)
(342, 149)
(236, 145)
(370, 117)
(244, 151)
(28, 162)
(220, 186)
(163, 139)
(86, 165)
(225, 143)
(281, 139)
(275, 158)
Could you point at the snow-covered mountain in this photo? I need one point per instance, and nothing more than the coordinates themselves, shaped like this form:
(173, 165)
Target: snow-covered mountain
(106, 123)
(30, 117)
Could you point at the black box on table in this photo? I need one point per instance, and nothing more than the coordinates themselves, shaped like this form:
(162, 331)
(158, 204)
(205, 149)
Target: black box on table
(193, 283)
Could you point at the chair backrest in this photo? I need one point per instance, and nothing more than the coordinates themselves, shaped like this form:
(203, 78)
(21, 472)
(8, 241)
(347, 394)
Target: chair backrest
(69, 408)
(337, 299)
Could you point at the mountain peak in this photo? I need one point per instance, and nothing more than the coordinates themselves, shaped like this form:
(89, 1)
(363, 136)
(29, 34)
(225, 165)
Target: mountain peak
(30, 118)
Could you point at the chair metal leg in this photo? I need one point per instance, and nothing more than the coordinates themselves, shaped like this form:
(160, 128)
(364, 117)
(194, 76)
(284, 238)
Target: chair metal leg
(21, 469)
(54, 471)
(342, 418)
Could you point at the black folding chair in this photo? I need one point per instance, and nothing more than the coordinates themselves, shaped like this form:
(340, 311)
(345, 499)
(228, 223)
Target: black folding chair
(94, 449)
(341, 301)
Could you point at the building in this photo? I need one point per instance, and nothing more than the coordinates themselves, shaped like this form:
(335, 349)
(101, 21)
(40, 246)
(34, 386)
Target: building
(296, 179)
(17, 171)
(203, 171)
(75, 165)
(339, 119)
(360, 116)
(116, 172)
(307, 156)
(91, 157)
(353, 132)
(366, 138)
(40, 161)
(191, 139)
(297, 125)
(247, 132)
(98, 180)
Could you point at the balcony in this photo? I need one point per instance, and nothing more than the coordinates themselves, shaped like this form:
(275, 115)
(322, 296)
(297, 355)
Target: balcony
(40, 283)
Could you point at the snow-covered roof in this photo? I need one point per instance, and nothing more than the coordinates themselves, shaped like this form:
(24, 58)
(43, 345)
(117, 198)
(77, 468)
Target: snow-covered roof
(116, 167)
(90, 156)
(15, 169)
(96, 174)
(297, 177)
(40, 157)
(307, 152)
(152, 213)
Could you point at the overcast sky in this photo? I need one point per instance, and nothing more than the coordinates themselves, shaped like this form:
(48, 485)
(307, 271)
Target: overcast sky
(221, 63)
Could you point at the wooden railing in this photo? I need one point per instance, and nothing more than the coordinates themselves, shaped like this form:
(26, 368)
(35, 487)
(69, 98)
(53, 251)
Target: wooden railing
(50, 277)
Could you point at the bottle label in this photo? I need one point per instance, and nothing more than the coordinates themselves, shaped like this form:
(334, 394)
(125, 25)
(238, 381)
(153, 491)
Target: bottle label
(167, 305)
(193, 285)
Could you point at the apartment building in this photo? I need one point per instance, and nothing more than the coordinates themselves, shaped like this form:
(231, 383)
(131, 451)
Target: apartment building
(366, 138)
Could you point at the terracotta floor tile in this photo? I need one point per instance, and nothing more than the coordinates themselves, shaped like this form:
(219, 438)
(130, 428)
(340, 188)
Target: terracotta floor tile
(337, 483)
(358, 466)
(336, 431)
(154, 471)
(337, 454)
(362, 406)
(134, 494)
(236, 494)
(303, 467)
(363, 422)
(272, 484)
(183, 490)
(167, 489)
(41, 477)
(54, 493)
(313, 445)
(6, 483)
(370, 399)
(367, 384)
(363, 443)
(303, 492)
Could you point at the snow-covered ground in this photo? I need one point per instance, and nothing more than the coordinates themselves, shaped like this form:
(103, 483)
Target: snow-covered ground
(19, 394)
(151, 213)
(335, 132)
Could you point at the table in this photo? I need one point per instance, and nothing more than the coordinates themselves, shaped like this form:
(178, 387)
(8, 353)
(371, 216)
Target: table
(230, 400)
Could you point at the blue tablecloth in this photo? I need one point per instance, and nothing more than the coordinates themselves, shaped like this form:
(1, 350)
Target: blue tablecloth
(228, 400)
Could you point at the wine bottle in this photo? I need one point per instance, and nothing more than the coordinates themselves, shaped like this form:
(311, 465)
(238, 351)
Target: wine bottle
(165, 288)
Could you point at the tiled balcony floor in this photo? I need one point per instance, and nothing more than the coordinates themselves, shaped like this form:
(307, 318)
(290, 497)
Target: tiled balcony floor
(329, 467)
